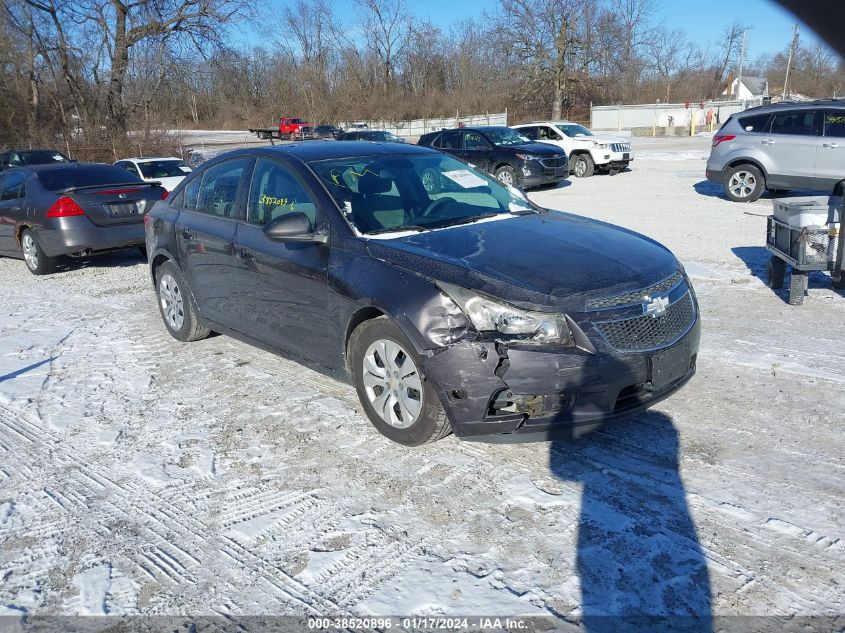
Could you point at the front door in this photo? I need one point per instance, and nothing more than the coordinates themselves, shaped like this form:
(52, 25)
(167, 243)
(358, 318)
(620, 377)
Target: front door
(205, 234)
(477, 151)
(830, 158)
(282, 286)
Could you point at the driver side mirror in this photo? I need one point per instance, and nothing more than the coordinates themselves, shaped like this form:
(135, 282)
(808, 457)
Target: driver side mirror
(294, 227)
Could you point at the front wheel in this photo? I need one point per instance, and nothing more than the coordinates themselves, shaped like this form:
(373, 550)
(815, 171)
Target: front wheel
(391, 386)
(506, 175)
(744, 183)
(583, 165)
(34, 257)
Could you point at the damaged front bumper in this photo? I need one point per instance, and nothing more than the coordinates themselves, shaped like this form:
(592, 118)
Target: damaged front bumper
(517, 394)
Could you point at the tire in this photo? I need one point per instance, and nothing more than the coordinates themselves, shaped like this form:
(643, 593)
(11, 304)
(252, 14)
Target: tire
(744, 183)
(176, 305)
(506, 175)
(37, 262)
(797, 287)
(775, 272)
(431, 181)
(583, 166)
(414, 420)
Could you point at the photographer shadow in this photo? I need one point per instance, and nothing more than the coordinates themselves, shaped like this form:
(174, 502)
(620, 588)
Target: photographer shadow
(640, 563)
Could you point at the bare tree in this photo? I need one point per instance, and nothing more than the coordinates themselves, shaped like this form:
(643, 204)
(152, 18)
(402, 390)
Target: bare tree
(387, 28)
(669, 56)
(725, 52)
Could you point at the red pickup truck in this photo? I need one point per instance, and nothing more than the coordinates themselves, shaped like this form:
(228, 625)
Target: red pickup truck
(289, 128)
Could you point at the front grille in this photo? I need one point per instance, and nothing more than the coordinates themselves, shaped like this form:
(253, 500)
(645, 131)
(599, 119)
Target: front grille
(620, 147)
(636, 296)
(554, 162)
(647, 332)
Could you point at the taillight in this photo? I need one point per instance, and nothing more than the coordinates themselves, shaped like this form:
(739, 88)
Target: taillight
(164, 193)
(720, 138)
(64, 207)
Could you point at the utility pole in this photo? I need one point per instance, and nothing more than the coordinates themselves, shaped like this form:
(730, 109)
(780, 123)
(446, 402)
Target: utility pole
(789, 61)
(741, 60)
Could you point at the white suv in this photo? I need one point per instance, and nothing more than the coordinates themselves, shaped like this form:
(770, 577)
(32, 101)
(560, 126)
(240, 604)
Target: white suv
(587, 152)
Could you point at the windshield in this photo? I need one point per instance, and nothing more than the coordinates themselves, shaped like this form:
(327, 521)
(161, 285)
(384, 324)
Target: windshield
(163, 168)
(42, 157)
(381, 194)
(505, 137)
(573, 129)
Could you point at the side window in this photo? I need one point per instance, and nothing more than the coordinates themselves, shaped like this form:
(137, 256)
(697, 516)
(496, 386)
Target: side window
(275, 192)
(15, 159)
(834, 123)
(794, 123)
(754, 123)
(450, 139)
(12, 187)
(219, 188)
(188, 198)
(435, 142)
(549, 133)
(474, 140)
(529, 132)
(130, 168)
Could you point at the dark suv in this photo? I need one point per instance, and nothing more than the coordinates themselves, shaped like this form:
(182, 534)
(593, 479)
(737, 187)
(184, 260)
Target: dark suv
(336, 254)
(504, 153)
(780, 147)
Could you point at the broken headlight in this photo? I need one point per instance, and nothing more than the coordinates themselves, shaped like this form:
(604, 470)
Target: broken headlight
(491, 317)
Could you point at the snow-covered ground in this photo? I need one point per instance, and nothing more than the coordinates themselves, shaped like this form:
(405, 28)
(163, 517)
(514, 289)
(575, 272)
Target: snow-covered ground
(140, 475)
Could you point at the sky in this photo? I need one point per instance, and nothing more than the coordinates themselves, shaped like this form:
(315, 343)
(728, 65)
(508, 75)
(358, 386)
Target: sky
(702, 21)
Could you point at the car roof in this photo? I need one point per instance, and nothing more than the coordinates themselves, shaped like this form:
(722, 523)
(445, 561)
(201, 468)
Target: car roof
(795, 105)
(60, 166)
(309, 151)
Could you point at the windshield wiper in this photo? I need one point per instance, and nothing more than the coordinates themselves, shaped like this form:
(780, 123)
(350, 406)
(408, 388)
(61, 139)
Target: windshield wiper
(467, 220)
(401, 227)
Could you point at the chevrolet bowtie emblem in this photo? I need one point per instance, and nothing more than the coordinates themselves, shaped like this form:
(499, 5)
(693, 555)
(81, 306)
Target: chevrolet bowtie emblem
(655, 307)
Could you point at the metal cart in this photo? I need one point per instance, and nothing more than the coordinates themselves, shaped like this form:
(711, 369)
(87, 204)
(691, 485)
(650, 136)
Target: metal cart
(804, 248)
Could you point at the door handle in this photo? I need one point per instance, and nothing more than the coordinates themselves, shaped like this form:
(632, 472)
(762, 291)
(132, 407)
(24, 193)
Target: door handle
(830, 145)
(187, 234)
(767, 141)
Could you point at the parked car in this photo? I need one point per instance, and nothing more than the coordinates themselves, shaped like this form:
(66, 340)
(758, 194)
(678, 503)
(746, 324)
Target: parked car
(780, 147)
(24, 157)
(71, 209)
(167, 171)
(327, 131)
(504, 153)
(371, 135)
(469, 309)
(587, 152)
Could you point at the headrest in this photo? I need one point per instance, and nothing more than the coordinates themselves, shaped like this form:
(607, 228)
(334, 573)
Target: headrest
(370, 183)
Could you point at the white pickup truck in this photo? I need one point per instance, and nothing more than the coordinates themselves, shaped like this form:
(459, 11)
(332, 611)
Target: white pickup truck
(587, 152)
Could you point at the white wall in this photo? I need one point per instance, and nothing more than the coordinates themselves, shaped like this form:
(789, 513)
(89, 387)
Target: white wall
(418, 127)
(647, 115)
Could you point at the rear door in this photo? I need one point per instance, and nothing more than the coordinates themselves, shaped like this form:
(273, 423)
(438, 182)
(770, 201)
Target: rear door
(790, 145)
(830, 159)
(12, 193)
(205, 237)
(282, 292)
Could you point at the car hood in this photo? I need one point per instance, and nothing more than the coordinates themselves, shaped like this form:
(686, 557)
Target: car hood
(535, 147)
(546, 259)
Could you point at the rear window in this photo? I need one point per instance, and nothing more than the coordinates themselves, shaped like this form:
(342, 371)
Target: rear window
(80, 175)
(794, 123)
(755, 122)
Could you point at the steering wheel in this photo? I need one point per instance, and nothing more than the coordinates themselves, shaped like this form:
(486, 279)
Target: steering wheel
(434, 205)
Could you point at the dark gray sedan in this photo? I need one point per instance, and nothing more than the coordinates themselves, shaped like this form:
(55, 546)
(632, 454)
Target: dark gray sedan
(76, 209)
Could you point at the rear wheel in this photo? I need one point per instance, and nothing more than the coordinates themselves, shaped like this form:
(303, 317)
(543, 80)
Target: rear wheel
(506, 175)
(797, 287)
(177, 307)
(391, 386)
(583, 165)
(36, 260)
(744, 183)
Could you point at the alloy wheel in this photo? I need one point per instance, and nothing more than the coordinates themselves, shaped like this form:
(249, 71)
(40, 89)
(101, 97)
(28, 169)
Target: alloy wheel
(30, 251)
(172, 302)
(742, 184)
(580, 167)
(392, 383)
(506, 178)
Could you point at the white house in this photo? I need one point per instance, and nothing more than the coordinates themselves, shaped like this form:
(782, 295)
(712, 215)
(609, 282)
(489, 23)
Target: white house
(747, 89)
